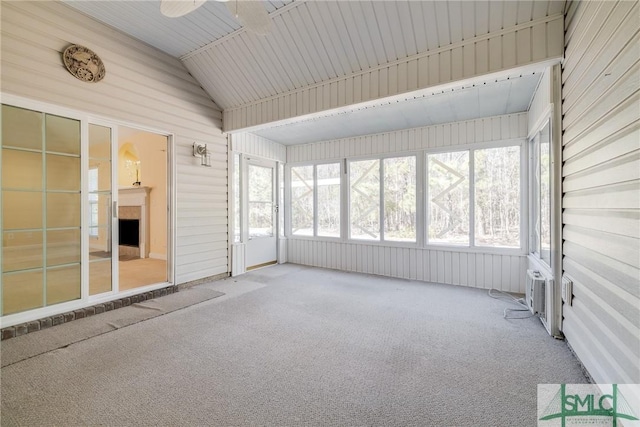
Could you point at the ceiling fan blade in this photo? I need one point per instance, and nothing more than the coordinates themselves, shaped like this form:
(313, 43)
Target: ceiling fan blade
(176, 8)
(251, 14)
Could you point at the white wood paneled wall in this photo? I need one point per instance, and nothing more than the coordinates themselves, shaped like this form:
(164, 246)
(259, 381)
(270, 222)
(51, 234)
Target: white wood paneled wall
(451, 266)
(142, 86)
(248, 143)
(601, 148)
(510, 126)
(503, 272)
(524, 44)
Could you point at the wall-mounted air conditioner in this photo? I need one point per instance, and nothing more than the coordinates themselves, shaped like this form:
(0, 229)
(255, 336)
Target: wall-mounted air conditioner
(534, 292)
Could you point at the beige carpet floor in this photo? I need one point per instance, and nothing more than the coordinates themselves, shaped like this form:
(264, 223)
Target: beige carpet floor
(298, 346)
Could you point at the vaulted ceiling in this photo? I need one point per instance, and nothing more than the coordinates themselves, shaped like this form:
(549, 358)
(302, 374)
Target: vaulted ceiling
(311, 41)
(315, 41)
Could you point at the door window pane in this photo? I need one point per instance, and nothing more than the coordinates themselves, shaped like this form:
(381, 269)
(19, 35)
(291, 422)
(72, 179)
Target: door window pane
(63, 247)
(63, 173)
(260, 201)
(400, 199)
(99, 274)
(236, 199)
(21, 170)
(21, 210)
(62, 135)
(22, 291)
(448, 190)
(328, 216)
(302, 200)
(21, 128)
(497, 197)
(21, 250)
(364, 207)
(63, 210)
(63, 284)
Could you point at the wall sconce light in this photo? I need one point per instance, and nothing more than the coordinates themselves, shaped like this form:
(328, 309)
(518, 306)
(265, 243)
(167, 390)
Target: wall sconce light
(200, 150)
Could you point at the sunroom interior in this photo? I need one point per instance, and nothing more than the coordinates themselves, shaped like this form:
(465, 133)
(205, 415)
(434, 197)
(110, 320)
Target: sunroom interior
(468, 144)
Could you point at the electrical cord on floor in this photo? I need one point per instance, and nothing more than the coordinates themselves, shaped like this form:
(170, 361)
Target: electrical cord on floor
(510, 298)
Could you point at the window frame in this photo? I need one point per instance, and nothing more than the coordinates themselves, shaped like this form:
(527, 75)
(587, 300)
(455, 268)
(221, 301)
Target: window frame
(289, 200)
(524, 219)
(422, 241)
(534, 246)
(419, 162)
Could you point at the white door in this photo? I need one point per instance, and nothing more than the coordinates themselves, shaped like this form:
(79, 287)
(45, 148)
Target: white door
(261, 213)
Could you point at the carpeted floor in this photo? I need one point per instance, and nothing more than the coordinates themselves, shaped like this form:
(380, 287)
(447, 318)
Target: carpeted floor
(292, 346)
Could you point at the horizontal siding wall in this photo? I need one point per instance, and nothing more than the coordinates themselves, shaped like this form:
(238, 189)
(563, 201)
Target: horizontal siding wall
(248, 143)
(601, 148)
(142, 87)
(499, 128)
(466, 268)
(522, 45)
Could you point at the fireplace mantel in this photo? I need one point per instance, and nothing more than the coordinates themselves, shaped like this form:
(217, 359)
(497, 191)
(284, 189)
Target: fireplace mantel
(138, 196)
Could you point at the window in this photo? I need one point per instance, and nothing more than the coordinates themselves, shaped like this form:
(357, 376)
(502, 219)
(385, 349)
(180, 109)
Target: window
(400, 199)
(328, 185)
(494, 188)
(364, 207)
(302, 201)
(395, 193)
(315, 200)
(497, 197)
(540, 169)
(448, 189)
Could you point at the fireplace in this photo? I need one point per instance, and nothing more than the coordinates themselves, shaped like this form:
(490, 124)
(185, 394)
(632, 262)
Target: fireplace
(129, 232)
(133, 220)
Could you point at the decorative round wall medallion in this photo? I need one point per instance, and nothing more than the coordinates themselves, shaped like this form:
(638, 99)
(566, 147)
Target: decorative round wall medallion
(83, 63)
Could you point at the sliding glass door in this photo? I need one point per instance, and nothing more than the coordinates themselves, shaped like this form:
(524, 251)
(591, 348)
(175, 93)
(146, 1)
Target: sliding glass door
(68, 184)
(100, 210)
(41, 210)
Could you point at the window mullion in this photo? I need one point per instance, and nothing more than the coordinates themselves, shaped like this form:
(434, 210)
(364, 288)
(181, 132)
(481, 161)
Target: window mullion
(315, 200)
(472, 199)
(381, 172)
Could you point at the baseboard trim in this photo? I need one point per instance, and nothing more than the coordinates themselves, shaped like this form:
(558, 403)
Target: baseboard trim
(157, 256)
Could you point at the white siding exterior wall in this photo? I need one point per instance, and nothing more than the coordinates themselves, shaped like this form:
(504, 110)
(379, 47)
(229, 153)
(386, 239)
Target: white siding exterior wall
(525, 44)
(540, 104)
(447, 265)
(142, 87)
(250, 144)
(601, 148)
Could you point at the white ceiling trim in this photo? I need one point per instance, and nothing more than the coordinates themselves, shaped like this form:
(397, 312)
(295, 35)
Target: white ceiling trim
(277, 12)
(418, 56)
(398, 99)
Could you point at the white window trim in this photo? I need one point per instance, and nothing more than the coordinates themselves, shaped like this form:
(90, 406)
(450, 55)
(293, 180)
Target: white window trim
(288, 208)
(382, 241)
(421, 200)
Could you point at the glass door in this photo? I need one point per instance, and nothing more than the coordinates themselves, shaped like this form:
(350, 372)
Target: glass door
(99, 210)
(41, 233)
(261, 211)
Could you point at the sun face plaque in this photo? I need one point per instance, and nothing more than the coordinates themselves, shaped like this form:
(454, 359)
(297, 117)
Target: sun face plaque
(83, 64)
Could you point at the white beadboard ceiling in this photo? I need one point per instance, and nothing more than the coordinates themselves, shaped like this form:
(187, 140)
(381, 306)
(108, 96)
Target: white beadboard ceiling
(479, 99)
(311, 41)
